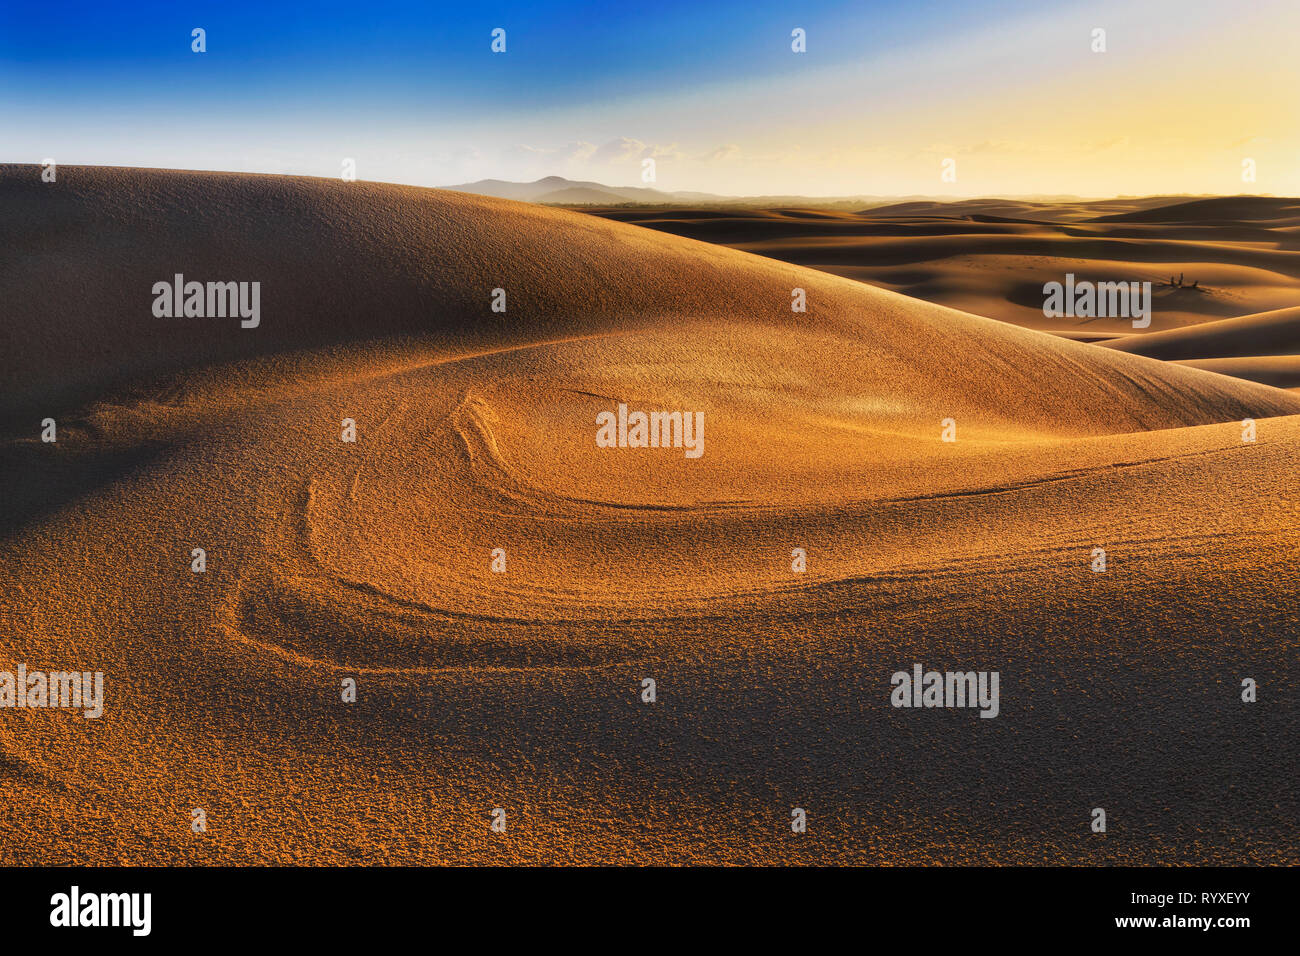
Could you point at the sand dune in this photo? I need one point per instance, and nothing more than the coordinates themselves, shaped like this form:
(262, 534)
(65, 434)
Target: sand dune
(993, 257)
(1260, 348)
(1266, 333)
(1228, 210)
(1280, 371)
(476, 431)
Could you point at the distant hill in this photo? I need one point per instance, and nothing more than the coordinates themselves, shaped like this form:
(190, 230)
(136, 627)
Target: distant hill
(581, 196)
(557, 189)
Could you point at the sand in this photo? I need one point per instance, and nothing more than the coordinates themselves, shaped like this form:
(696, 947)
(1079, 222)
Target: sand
(1259, 348)
(992, 258)
(522, 690)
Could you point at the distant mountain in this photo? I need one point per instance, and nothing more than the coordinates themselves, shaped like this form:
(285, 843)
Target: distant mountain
(561, 191)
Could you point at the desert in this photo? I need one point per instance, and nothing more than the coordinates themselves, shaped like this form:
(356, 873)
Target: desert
(517, 684)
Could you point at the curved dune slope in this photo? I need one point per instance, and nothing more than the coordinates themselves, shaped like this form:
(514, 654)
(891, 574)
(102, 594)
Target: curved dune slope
(1264, 333)
(341, 263)
(1264, 347)
(1280, 371)
(1225, 209)
(477, 431)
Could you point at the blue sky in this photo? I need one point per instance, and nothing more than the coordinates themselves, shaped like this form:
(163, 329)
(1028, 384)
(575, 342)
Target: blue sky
(435, 53)
(712, 92)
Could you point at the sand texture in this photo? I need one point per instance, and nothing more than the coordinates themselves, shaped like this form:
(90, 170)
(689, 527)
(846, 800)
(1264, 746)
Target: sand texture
(476, 431)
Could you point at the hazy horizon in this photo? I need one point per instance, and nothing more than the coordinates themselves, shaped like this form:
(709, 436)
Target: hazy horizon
(933, 196)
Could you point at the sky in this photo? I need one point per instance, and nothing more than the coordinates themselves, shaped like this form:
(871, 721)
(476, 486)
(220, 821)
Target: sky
(1009, 98)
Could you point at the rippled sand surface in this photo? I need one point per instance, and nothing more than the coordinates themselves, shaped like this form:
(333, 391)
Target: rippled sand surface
(479, 689)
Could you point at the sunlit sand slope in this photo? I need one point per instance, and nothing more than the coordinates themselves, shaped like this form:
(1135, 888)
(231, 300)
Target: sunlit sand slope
(521, 688)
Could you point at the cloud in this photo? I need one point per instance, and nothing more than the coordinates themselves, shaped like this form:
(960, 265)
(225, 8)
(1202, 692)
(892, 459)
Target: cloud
(572, 152)
(662, 152)
(581, 159)
(619, 150)
(1251, 141)
(721, 153)
(628, 149)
